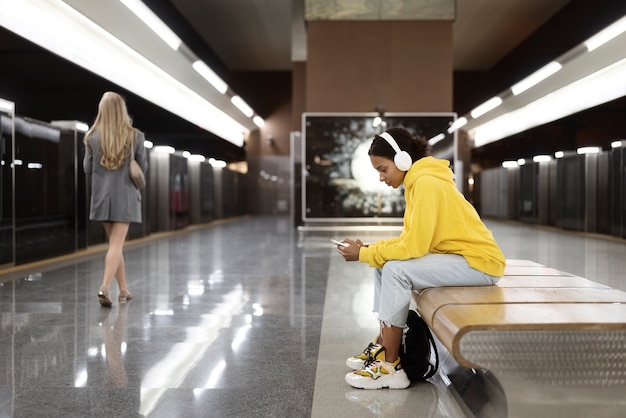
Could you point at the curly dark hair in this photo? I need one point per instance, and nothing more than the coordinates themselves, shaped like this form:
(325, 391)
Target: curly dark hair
(416, 146)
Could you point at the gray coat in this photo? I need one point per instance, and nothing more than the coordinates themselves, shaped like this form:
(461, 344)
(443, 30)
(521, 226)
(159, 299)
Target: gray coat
(114, 196)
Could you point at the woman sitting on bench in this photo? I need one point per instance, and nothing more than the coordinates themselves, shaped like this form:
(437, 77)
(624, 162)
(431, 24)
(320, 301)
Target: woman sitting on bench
(443, 243)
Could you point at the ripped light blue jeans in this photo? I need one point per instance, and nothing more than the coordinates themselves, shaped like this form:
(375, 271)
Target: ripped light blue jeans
(394, 282)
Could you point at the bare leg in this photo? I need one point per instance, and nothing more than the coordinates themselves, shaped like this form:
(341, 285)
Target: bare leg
(392, 337)
(114, 265)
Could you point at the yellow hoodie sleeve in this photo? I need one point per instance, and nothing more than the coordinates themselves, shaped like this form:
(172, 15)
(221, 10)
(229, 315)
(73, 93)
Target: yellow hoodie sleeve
(420, 223)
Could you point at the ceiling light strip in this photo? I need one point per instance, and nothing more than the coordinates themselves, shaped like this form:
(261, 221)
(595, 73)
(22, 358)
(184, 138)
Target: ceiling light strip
(600, 87)
(210, 76)
(486, 107)
(242, 106)
(606, 34)
(536, 77)
(72, 36)
(153, 22)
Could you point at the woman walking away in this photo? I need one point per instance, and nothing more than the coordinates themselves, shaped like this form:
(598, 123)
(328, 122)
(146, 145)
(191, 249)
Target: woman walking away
(115, 201)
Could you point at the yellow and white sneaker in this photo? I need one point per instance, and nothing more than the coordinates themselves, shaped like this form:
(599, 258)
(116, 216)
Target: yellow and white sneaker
(357, 362)
(377, 374)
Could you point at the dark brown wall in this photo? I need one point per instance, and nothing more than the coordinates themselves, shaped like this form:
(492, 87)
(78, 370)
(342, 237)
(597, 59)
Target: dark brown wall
(298, 95)
(395, 66)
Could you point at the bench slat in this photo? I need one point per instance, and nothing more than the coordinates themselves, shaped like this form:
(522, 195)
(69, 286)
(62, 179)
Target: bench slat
(522, 263)
(433, 299)
(533, 271)
(548, 281)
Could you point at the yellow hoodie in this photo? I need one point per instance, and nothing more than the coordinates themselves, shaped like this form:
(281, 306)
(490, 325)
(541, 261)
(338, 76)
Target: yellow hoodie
(439, 220)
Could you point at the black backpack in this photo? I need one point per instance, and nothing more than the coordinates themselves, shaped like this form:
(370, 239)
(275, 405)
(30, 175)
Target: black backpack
(417, 349)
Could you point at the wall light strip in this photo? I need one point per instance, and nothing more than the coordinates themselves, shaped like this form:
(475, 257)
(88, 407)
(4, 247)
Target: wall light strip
(241, 105)
(210, 76)
(606, 34)
(153, 22)
(536, 77)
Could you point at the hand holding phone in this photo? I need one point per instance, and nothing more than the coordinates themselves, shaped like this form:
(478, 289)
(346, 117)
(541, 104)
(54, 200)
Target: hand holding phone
(343, 244)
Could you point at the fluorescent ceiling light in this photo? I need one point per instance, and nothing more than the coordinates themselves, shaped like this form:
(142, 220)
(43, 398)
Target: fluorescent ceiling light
(436, 138)
(82, 127)
(241, 105)
(618, 144)
(521, 161)
(509, 164)
(588, 150)
(148, 144)
(559, 154)
(536, 77)
(196, 157)
(153, 22)
(217, 163)
(258, 121)
(541, 158)
(606, 34)
(457, 124)
(164, 149)
(486, 107)
(74, 37)
(210, 76)
(7, 106)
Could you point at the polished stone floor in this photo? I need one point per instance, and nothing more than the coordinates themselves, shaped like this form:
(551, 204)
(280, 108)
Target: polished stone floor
(244, 318)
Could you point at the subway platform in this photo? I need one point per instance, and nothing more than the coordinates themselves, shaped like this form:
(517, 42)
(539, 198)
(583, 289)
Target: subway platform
(247, 317)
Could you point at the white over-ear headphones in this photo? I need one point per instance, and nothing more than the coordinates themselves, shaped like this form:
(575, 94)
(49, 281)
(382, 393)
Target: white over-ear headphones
(402, 159)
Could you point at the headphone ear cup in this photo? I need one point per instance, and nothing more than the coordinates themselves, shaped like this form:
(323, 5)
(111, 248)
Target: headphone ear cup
(403, 161)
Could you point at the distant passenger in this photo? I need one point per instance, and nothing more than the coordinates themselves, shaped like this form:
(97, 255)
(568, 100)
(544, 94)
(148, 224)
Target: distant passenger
(443, 243)
(115, 200)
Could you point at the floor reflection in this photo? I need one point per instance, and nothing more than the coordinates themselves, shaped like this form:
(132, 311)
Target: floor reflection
(114, 345)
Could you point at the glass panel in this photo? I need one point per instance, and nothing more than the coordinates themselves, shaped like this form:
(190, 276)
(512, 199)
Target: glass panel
(206, 192)
(179, 192)
(45, 191)
(571, 193)
(6, 188)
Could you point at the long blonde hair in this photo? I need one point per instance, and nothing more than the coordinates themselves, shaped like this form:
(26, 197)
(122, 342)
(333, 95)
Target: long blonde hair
(116, 130)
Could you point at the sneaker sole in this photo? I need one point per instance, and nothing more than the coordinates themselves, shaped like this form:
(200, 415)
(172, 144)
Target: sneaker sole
(362, 382)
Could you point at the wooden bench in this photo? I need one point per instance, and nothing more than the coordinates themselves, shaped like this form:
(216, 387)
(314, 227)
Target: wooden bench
(537, 324)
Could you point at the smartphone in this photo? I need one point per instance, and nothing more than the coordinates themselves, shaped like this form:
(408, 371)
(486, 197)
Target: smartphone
(343, 244)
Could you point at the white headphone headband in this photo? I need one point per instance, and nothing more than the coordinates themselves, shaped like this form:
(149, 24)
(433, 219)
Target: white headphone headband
(402, 159)
(387, 137)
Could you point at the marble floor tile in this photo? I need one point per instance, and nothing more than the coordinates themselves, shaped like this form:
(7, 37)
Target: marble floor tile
(244, 318)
